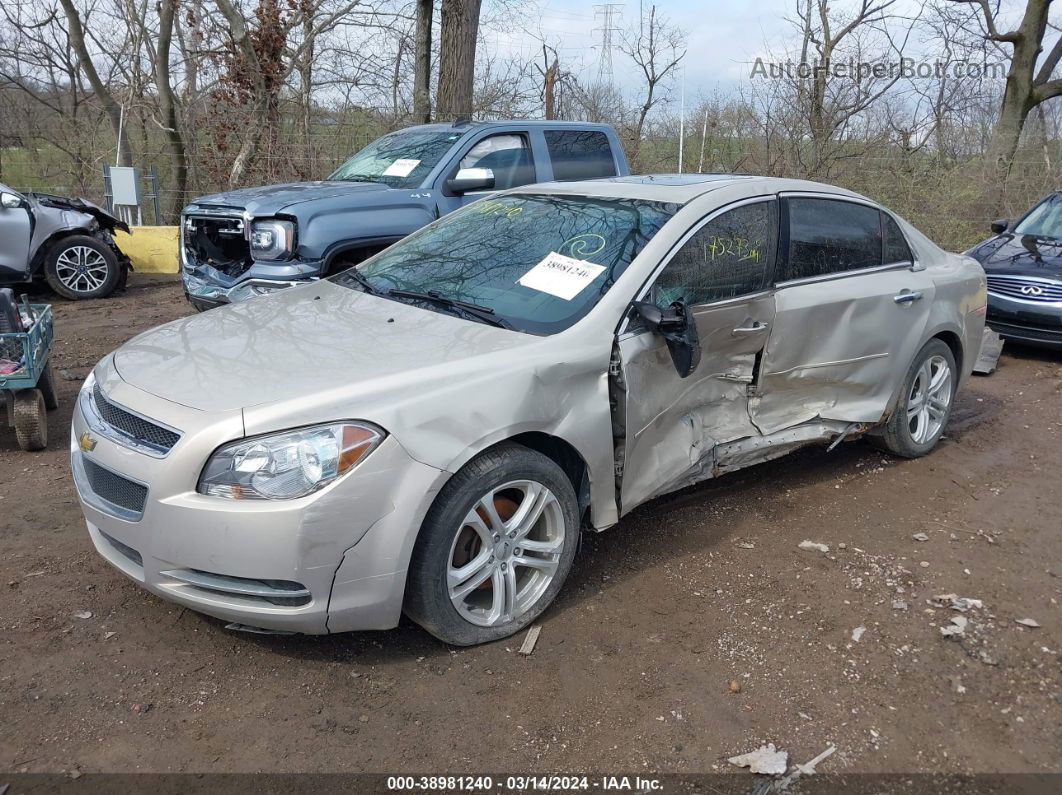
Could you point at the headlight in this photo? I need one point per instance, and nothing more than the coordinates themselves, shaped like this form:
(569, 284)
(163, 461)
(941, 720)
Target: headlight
(272, 239)
(287, 465)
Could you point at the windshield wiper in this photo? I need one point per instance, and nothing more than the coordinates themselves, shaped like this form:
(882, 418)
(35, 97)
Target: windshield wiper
(483, 314)
(359, 278)
(362, 178)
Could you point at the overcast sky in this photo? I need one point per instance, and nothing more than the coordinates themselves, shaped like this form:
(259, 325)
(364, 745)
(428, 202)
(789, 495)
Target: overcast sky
(725, 36)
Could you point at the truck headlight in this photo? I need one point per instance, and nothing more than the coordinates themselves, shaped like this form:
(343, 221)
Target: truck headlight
(287, 465)
(272, 239)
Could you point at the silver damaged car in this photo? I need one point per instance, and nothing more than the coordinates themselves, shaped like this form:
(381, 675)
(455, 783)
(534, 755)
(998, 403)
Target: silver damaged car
(430, 431)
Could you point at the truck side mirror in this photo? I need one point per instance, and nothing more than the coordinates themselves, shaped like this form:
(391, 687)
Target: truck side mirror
(9, 201)
(676, 325)
(999, 226)
(470, 179)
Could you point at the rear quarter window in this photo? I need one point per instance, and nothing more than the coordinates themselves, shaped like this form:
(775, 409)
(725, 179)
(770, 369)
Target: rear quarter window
(580, 154)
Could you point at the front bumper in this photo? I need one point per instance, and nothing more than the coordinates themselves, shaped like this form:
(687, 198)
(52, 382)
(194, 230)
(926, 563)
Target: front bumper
(333, 561)
(205, 293)
(1026, 322)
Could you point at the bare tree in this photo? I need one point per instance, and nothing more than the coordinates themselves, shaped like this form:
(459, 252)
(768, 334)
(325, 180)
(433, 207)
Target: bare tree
(1030, 80)
(167, 99)
(103, 94)
(422, 62)
(457, 57)
(656, 47)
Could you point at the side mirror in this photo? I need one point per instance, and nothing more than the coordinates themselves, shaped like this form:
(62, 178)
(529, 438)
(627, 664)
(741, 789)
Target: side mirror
(470, 179)
(999, 226)
(676, 325)
(9, 201)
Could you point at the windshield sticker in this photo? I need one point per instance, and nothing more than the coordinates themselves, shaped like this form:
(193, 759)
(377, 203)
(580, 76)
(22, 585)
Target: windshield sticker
(401, 168)
(561, 276)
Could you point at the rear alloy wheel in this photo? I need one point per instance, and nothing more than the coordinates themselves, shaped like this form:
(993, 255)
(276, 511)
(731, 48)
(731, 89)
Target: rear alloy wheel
(495, 548)
(82, 267)
(921, 414)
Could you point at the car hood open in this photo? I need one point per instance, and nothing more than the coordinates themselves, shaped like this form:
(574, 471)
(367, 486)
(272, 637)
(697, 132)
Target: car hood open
(302, 343)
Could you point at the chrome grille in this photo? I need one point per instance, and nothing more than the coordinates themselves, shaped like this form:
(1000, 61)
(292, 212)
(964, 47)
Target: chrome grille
(115, 489)
(131, 425)
(1025, 288)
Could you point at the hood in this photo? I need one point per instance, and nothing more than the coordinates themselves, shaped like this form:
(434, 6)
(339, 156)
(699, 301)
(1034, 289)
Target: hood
(1019, 255)
(269, 199)
(103, 218)
(317, 343)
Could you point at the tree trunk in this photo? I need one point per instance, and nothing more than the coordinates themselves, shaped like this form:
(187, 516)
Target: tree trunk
(168, 103)
(457, 58)
(422, 63)
(260, 107)
(549, 82)
(110, 105)
(308, 160)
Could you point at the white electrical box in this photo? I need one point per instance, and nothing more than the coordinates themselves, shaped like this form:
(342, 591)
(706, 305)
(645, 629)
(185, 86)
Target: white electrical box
(125, 186)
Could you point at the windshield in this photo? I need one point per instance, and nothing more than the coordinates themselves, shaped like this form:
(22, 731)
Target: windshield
(400, 159)
(1044, 220)
(539, 262)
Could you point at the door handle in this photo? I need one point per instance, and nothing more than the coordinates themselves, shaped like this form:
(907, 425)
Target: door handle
(755, 328)
(906, 297)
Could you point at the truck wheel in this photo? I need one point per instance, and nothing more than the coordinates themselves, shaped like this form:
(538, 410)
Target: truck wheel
(80, 266)
(921, 413)
(46, 384)
(495, 547)
(31, 421)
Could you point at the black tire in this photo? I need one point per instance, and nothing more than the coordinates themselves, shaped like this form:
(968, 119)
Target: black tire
(31, 420)
(896, 436)
(108, 277)
(427, 596)
(46, 384)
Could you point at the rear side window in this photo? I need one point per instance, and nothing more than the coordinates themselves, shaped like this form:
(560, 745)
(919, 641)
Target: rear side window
(830, 236)
(730, 256)
(896, 248)
(580, 154)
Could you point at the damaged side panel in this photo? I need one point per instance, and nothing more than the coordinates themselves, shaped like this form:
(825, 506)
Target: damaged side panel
(669, 426)
(839, 348)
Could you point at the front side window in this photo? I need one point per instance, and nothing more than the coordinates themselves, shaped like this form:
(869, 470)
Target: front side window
(829, 236)
(539, 262)
(730, 256)
(400, 160)
(1044, 220)
(580, 154)
(508, 156)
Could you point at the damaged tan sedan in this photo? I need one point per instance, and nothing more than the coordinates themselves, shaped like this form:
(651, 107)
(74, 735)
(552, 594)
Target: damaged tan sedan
(430, 431)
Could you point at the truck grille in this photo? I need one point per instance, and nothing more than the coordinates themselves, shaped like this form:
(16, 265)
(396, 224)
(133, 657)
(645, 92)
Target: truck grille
(131, 425)
(217, 241)
(115, 489)
(1021, 288)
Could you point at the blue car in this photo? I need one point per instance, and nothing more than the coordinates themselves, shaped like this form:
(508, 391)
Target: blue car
(252, 241)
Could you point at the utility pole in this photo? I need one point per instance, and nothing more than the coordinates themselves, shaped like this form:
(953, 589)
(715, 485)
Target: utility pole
(609, 14)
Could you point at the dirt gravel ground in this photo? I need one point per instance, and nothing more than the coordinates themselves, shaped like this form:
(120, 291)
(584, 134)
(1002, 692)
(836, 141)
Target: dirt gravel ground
(693, 597)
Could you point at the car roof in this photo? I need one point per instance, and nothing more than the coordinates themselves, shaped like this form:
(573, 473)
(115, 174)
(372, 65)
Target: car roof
(683, 188)
(465, 126)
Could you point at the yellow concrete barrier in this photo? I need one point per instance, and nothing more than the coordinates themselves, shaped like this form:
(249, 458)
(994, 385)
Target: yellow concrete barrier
(151, 249)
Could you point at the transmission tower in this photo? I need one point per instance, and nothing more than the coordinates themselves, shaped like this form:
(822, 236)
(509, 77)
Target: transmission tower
(609, 14)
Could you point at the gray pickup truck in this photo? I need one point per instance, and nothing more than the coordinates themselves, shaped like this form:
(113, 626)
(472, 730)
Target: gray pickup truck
(253, 241)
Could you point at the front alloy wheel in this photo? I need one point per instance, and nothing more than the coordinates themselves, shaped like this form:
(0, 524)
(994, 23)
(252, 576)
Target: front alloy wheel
(506, 553)
(81, 266)
(495, 547)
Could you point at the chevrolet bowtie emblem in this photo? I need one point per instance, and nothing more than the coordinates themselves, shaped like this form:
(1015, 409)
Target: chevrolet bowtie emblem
(86, 442)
